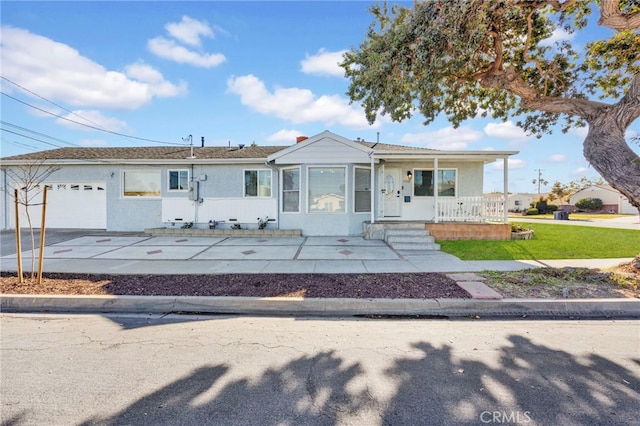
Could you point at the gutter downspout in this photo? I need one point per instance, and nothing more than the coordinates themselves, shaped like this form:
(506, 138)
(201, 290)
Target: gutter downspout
(275, 169)
(436, 184)
(373, 192)
(505, 189)
(5, 224)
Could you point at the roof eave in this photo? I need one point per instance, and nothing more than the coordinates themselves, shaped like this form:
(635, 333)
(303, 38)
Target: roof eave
(169, 161)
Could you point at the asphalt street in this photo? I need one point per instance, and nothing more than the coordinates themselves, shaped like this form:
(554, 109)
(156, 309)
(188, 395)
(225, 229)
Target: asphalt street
(186, 370)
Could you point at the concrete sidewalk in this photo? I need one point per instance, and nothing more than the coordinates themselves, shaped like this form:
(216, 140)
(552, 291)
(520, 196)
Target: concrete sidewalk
(114, 254)
(139, 254)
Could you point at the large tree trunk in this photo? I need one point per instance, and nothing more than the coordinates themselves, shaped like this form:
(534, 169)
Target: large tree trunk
(607, 151)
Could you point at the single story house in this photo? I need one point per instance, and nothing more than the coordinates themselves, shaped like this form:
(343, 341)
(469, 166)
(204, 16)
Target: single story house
(321, 185)
(519, 202)
(612, 200)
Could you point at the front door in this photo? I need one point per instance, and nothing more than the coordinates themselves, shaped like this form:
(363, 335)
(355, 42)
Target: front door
(392, 188)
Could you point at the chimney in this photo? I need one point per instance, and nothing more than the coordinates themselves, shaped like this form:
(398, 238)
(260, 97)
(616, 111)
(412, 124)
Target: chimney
(301, 139)
(202, 140)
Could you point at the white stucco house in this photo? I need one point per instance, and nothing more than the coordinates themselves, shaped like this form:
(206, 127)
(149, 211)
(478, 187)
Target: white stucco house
(519, 202)
(612, 199)
(323, 185)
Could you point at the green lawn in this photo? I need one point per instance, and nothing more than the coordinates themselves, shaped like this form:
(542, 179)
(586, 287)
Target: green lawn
(576, 216)
(552, 242)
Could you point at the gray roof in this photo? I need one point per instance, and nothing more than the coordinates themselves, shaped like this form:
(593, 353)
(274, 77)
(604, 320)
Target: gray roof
(149, 153)
(175, 152)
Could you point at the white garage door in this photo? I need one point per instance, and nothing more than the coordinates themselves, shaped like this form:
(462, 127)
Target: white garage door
(71, 205)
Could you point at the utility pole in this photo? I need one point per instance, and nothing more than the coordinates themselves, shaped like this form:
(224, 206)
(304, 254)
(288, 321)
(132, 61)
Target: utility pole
(539, 180)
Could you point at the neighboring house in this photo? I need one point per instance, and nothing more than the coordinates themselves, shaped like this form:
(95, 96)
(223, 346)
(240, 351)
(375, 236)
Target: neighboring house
(612, 200)
(521, 202)
(323, 185)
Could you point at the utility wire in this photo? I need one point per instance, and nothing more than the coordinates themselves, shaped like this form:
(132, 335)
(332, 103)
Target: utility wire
(47, 100)
(24, 129)
(89, 126)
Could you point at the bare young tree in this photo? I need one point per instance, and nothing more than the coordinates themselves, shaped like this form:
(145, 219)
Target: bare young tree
(28, 183)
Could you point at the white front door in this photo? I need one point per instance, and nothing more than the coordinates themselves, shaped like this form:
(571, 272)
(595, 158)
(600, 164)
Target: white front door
(391, 192)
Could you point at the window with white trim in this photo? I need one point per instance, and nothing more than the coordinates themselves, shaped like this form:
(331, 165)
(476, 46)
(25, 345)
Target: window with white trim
(141, 183)
(178, 180)
(362, 190)
(326, 190)
(257, 183)
(291, 190)
(423, 183)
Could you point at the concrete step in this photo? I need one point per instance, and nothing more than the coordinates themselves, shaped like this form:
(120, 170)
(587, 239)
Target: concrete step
(403, 225)
(422, 239)
(415, 246)
(405, 231)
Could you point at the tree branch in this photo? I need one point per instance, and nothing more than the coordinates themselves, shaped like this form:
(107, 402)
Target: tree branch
(612, 17)
(531, 99)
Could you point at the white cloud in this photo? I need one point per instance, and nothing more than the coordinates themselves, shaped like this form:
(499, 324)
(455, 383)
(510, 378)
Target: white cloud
(285, 136)
(514, 164)
(580, 132)
(580, 171)
(448, 138)
(296, 105)
(557, 158)
(94, 119)
(189, 30)
(60, 73)
(158, 86)
(168, 49)
(324, 63)
(558, 34)
(507, 130)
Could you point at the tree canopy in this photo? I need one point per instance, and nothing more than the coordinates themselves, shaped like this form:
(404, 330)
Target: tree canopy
(470, 58)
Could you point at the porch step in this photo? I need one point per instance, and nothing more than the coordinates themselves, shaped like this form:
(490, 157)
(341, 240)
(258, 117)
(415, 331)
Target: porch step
(416, 246)
(410, 239)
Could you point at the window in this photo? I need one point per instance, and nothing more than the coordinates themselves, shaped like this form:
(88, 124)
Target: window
(362, 190)
(423, 183)
(327, 190)
(178, 180)
(291, 190)
(257, 183)
(141, 183)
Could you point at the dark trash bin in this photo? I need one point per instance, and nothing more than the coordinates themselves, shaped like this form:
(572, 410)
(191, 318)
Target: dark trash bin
(560, 215)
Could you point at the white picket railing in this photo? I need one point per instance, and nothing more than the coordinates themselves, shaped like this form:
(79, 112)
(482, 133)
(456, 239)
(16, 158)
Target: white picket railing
(470, 209)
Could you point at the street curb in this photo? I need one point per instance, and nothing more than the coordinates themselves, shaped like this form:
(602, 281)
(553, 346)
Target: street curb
(294, 306)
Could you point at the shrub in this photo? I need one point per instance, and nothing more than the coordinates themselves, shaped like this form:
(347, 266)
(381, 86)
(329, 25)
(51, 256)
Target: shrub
(541, 205)
(516, 227)
(551, 208)
(532, 212)
(589, 204)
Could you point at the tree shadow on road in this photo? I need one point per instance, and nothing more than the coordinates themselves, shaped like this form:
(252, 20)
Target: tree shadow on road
(529, 383)
(307, 390)
(522, 382)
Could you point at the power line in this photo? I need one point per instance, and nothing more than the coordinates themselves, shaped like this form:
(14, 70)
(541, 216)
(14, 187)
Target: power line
(89, 126)
(47, 100)
(32, 138)
(15, 126)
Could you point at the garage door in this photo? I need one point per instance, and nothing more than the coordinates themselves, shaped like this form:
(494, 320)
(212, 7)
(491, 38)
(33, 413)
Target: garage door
(71, 205)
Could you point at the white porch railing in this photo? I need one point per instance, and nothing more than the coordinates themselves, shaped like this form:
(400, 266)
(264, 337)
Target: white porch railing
(470, 209)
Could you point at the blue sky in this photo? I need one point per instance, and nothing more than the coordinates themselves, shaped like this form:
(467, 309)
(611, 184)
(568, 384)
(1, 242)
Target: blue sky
(233, 72)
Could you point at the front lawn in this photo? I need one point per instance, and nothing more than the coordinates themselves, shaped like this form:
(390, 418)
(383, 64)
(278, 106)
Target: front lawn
(552, 242)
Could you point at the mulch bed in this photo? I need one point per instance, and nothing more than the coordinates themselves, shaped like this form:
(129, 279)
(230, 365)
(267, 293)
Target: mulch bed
(361, 286)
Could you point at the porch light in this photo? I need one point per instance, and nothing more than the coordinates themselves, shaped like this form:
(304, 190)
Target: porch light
(409, 175)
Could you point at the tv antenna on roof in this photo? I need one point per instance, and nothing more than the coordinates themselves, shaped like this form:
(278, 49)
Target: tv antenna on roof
(190, 140)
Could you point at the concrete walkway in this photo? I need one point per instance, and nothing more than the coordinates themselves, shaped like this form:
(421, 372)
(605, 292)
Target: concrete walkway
(111, 254)
(107, 253)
